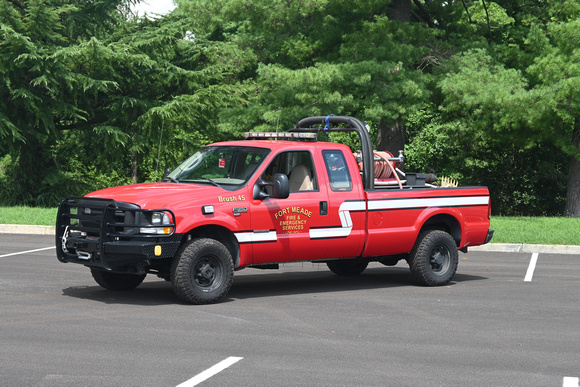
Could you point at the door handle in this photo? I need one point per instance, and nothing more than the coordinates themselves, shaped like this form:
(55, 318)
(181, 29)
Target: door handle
(324, 208)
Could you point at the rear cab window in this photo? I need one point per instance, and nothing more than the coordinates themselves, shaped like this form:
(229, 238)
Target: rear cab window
(337, 169)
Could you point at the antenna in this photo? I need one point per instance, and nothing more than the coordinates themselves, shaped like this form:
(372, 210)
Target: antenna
(159, 150)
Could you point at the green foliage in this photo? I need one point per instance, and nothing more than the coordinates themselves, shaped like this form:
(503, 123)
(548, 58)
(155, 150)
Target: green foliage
(431, 144)
(556, 75)
(81, 111)
(486, 96)
(363, 64)
(522, 180)
(530, 106)
(408, 45)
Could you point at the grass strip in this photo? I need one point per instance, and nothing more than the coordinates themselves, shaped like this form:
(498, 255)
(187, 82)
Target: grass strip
(28, 215)
(536, 230)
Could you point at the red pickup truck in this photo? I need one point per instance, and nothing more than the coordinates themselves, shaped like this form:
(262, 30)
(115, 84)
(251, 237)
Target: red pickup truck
(261, 202)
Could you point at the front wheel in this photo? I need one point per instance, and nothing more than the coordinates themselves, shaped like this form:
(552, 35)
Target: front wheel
(117, 281)
(434, 258)
(202, 272)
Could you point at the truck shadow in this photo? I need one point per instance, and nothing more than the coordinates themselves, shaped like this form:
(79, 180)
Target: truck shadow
(323, 281)
(253, 283)
(150, 293)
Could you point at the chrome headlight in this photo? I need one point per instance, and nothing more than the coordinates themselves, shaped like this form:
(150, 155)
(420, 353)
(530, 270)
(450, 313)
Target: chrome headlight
(160, 219)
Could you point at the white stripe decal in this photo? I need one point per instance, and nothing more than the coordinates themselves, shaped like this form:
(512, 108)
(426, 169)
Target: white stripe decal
(345, 221)
(337, 232)
(256, 236)
(346, 207)
(428, 202)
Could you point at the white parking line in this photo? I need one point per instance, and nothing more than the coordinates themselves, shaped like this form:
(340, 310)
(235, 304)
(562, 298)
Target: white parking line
(531, 268)
(26, 252)
(571, 382)
(219, 367)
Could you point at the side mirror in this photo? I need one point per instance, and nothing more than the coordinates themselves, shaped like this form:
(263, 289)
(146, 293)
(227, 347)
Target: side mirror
(280, 188)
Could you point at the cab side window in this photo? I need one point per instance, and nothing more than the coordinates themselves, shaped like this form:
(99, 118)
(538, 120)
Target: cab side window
(338, 173)
(299, 168)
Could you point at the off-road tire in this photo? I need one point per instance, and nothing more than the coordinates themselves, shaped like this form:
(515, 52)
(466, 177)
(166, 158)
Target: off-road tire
(433, 260)
(347, 267)
(117, 281)
(202, 272)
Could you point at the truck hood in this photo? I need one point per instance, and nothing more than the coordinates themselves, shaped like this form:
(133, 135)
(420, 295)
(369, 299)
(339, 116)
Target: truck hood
(161, 195)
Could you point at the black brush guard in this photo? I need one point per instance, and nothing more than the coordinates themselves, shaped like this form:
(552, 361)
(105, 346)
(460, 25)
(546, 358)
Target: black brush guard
(106, 234)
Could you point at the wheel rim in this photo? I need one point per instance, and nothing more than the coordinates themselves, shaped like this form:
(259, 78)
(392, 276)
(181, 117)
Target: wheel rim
(208, 272)
(440, 260)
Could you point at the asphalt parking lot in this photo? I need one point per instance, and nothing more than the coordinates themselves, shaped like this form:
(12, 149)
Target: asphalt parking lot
(496, 324)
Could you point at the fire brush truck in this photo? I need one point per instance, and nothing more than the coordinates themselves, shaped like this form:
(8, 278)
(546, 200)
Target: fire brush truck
(273, 198)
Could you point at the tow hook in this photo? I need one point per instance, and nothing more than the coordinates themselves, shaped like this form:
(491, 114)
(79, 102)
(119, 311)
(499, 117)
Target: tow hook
(84, 255)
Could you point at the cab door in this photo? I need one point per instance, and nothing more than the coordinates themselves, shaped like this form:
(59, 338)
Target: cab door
(347, 212)
(282, 227)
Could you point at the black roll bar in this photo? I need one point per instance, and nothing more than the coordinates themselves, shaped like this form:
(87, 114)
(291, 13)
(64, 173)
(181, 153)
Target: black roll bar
(310, 124)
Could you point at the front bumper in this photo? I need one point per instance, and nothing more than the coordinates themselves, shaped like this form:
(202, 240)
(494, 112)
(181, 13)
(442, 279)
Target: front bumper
(106, 234)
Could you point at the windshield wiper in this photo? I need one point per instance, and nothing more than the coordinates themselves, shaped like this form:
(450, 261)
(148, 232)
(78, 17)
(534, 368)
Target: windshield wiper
(172, 179)
(207, 179)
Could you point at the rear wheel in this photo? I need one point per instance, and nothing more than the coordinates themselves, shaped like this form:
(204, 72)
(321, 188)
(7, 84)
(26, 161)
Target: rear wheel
(202, 272)
(347, 267)
(434, 258)
(117, 281)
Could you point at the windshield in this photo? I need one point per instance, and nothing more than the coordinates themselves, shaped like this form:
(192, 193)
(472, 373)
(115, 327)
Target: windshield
(228, 167)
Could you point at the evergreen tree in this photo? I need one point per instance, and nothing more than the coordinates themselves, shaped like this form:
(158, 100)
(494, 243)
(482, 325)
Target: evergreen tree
(89, 94)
